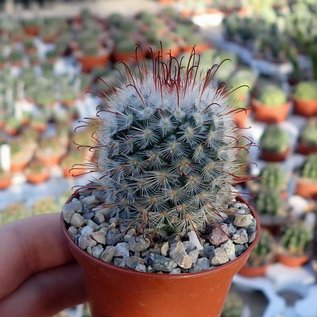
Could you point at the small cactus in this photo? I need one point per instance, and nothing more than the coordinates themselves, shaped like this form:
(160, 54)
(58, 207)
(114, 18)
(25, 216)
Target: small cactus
(167, 148)
(272, 95)
(310, 167)
(269, 202)
(264, 252)
(306, 90)
(309, 133)
(273, 177)
(275, 139)
(296, 239)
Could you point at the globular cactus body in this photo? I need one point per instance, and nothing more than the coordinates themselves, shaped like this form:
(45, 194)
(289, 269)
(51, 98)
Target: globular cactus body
(309, 133)
(167, 148)
(275, 139)
(310, 168)
(269, 202)
(273, 177)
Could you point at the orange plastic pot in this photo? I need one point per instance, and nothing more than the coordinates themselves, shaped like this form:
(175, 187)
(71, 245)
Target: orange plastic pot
(89, 63)
(292, 261)
(270, 114)
(240, 118)
(50, 161)
(306, 188)
(274, 157)
(18, 166)
(249, 271)
(126, 57)
(118, 292)
(32, 30)
(37, 178)
(68, 173)
(5, 182)
(306, 149)
(306, 108)
(199, 48)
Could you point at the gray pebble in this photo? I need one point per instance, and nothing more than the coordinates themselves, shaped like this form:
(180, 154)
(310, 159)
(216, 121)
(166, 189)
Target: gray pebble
(208, 251)
(90, 200)
(72, 231)
(179, 256)
(218, 235)
(86, 231)
(240, 237)
(77, 220)
(89, 215)
(229, 248)
(67, 213)
(164, 248)
(108, 254)
(140, 268)
(203, 263)
(92, 224)
(122, 250)
(134, 261)
(161, 263)
(176, 271)
(99, 236)
(220, 257)
(138, 244)
(189, 246)
(113, 236)
(97, 251)
(239, 249)
(243, 221)
(85, 241)
(194, 255)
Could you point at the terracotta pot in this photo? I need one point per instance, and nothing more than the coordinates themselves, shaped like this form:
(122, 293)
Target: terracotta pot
(175, 51)
(11, 132)
(39, 127)
(5, 181)
(32, 30)
(124, 56)
(249, 271)
(17, 167)
(306, 149)
(240, 118)
(292, 261)
(118, 292)
(38, 178)
(273, 224)
(50, 161)
(306, 108)
(270, 114)
(89, 63)
(306, 188)
(274, 157)
(199, 48)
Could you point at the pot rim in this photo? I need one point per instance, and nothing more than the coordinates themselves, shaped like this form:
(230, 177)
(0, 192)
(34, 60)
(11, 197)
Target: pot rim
(180, 276)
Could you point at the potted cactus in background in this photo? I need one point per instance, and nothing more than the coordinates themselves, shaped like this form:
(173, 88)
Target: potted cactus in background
(162, 198)
(13, 212)
(306, 185)
(261, 257)
(275, 144)
(307, 142)
(5, 179)
(37, 173)
(305, 96)
(272, 210)
(271, 106)
(294, 245)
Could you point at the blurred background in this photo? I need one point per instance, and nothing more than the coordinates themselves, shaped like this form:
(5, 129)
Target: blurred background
(53, 52)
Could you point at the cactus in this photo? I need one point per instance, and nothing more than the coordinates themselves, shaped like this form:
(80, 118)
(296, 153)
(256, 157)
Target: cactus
(309, 133)
(272, 95)
(306, 90)
(269, 202)
(275, 139)
(273, 177)
(167, 149)
(233, 306)
(264, 252)
(296, 239)
(310, 167)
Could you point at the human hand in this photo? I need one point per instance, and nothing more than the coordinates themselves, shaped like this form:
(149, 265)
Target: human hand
(38, 275)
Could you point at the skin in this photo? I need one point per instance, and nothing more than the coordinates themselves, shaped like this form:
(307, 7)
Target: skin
(39, 276)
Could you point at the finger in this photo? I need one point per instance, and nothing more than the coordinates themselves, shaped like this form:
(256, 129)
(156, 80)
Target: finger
(29, 246)
(46, 293)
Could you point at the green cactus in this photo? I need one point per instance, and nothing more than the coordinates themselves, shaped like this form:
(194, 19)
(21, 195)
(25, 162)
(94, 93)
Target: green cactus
(306, 90)
(233, 306)
(310, 167)
(309, 133)
(264, 252)
(272, 95)
(167, 149)
(273, 177)
(275, 139)
(269, 202)
(296, 239)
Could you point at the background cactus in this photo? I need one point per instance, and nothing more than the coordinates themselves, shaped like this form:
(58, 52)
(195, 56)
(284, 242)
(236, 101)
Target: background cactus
(273, 177)
(309, 133)
(264, 252)
(167, 148)
(310, 167)
(272, 95)
(269, 202)
(275, 139)
(296, 239)
(306, 90)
